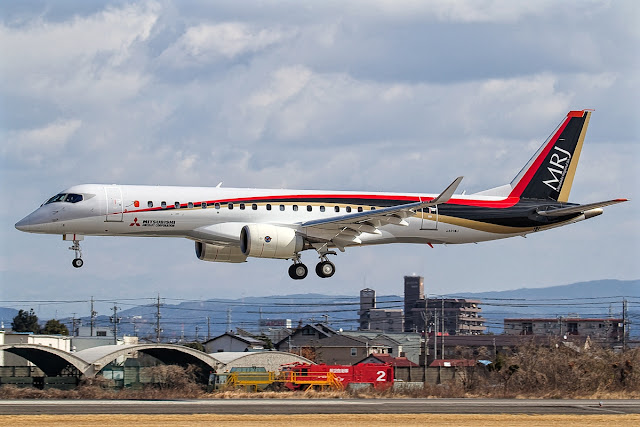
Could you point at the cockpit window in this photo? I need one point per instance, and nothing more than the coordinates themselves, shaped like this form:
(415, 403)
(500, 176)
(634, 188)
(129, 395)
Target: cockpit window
(70, 198)
(73, 198)
(56, 198)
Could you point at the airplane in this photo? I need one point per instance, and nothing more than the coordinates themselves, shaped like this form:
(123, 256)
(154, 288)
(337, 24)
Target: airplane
(233, 224)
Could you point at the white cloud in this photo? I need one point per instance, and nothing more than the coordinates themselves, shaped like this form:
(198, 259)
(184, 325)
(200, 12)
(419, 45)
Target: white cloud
(34, 145)
(74, 55)
(205, 43)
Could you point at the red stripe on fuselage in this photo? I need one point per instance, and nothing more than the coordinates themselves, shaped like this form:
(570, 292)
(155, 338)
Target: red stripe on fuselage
(495, 204)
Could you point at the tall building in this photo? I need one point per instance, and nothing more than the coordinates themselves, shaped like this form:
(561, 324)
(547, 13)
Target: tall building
(413, 292)
(452, 316)
(367, 302)
(378, 319)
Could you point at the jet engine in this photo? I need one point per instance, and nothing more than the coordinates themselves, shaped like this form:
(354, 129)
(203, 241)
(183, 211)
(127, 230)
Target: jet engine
(269, 241)
(219, 253)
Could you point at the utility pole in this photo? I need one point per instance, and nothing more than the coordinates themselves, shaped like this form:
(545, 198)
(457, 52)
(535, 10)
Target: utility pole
(73, 324)
(197, 329)
(92, 317)
(625, 318)
(158, 317)
(208, 328)
(435, 332)
(442, 329)
(115, 320)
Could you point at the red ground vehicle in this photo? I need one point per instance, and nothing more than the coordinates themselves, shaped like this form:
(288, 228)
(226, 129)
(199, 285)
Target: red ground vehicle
(376, 374)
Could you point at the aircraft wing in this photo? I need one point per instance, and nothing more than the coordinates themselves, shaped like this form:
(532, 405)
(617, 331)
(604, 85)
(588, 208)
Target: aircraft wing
(345, 229)
(578, 209)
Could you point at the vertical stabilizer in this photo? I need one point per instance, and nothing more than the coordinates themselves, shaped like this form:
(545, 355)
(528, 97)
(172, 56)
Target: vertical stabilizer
(550, 172)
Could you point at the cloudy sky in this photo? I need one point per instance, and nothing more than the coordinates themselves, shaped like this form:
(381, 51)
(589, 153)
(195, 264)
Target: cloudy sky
(362, 95)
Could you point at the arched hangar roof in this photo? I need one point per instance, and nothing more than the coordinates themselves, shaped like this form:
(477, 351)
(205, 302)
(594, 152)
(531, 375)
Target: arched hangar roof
(90, 361)
(51, 360)
(271, 360)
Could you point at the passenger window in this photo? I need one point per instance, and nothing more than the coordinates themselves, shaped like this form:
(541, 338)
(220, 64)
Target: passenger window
(163, 205)
(242, 206)
(254, 206)
(217, 205)
(268, 207)
(281, 207)
(150, 204)
(190, 205)
(309, 208)
(348, 208)
(321, 208)
(336, 208)
(203, 205)
(230, 205)
(177, 205)
(359, 208)
(373, 208)
(295, 207)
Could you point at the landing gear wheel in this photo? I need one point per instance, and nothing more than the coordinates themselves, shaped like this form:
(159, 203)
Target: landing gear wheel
(77, 262)
(298, 271)
(325, 269)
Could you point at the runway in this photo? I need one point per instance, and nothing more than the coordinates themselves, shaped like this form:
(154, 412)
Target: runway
(321, 406)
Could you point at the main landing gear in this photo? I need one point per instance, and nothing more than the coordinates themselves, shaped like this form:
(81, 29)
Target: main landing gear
(324, 268)
(77, 262)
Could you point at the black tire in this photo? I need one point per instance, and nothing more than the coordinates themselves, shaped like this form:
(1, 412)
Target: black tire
(77, 263)
(325, 269)
(298, 271)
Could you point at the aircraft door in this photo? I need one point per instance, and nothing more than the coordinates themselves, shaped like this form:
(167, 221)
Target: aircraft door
(114, 203)
(430, 218)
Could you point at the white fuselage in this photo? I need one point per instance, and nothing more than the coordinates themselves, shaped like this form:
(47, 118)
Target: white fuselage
(132, 210)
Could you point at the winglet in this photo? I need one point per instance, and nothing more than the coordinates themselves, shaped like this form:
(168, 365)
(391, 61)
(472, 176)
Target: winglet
(446, 194)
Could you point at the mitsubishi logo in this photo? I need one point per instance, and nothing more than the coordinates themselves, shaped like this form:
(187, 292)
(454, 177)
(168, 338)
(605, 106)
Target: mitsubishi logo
(135, 222)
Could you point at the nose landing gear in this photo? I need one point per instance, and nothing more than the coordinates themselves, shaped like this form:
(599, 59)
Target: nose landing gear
(77, 261)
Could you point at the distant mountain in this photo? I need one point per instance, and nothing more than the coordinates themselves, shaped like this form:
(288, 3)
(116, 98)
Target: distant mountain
(594, 289)
(599, 298)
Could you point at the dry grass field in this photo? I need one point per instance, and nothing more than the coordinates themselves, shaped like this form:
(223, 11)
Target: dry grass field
(319, 420)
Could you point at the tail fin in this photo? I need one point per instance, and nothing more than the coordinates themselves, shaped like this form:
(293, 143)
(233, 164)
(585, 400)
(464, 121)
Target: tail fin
(549, 174)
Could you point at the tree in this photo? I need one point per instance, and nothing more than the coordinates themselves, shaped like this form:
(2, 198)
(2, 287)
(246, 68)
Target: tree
(26, 322)
(54, 327)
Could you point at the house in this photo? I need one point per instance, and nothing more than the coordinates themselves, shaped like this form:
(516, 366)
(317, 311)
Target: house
(323, 344)
(232, 342)
(343, 350)
(408, 344)
(303, 336)
(396, 362)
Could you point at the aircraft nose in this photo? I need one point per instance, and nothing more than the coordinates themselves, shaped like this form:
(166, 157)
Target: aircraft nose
(24, 224)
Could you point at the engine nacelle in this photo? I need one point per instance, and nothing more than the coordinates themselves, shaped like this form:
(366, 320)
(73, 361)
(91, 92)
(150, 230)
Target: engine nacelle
(269, 241)
(218, 253)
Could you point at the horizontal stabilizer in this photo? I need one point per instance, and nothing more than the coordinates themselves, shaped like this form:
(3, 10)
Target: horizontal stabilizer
(578, 209)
